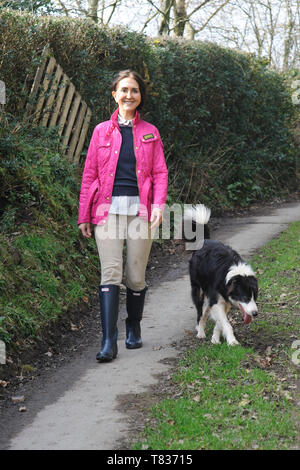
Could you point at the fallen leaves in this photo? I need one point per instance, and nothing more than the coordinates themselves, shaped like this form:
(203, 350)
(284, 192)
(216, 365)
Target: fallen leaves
(287, 395)
(244, 402)
(268, 351)
(266, 360)
(18, 399)
(76, 327)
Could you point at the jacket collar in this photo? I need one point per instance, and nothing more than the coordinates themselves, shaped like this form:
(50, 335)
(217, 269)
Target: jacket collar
(114, 120)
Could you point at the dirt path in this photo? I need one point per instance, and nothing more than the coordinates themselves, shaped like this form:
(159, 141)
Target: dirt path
(77, 406)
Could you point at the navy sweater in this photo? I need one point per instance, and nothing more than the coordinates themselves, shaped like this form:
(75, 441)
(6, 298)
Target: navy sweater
(125, 183)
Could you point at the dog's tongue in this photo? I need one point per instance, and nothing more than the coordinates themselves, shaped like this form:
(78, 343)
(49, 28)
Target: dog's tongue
(247, 318)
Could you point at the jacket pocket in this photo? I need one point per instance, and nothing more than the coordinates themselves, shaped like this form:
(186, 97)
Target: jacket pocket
(147, 145)
(93, 192)
(149, 139)
(103, 151)
(94, 196)
(147, 189)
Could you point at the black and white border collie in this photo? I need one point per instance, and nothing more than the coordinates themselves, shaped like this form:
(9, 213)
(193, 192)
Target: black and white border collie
(219, 279)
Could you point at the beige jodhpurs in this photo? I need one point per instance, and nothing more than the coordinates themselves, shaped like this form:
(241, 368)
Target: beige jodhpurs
(110, 241)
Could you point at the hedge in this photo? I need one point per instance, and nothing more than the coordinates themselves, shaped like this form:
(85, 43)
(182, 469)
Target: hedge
(224, 116)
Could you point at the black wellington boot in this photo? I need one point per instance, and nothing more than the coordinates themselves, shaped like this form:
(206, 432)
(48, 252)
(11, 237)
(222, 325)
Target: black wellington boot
(109, 310)
(135, 305)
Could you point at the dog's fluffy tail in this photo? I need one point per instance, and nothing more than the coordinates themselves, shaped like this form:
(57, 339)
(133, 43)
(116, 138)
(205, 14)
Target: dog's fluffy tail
(199, 214)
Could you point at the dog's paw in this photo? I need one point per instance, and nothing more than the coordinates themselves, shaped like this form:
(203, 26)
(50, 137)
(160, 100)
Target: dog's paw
(201, 333)
(215, 340)
(233, 342)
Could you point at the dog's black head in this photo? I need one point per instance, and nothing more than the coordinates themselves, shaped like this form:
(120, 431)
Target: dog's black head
(242, 292)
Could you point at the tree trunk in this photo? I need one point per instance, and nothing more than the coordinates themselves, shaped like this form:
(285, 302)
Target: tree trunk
(165, 7)
(190, 31)
(93, 10)
(288, 41)
(180, 17)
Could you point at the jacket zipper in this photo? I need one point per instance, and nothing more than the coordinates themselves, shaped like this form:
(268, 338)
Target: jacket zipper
(134, 140)
(135, 155)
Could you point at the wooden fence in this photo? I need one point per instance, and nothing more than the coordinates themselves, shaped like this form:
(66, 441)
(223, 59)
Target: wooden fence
(53, 101)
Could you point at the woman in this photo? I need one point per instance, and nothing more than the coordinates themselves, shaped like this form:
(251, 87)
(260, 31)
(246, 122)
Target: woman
(123, 192)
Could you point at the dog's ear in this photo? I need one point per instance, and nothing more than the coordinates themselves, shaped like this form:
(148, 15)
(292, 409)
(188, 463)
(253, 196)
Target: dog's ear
(254, 286)
(230, 286)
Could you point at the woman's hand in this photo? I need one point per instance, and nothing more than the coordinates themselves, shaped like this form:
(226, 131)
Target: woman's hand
(156, 217)
(85, 230)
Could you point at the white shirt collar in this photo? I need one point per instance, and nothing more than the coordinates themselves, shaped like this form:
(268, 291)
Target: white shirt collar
(124, 122)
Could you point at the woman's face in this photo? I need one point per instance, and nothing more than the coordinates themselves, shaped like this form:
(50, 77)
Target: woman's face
(128, 97)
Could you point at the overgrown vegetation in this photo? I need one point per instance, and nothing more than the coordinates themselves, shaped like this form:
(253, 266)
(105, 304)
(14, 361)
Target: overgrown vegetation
(224, 116)
(241, 397)
(45, 267)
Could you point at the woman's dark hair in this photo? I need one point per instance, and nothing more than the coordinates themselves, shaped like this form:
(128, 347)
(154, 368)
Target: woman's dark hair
(131, 73)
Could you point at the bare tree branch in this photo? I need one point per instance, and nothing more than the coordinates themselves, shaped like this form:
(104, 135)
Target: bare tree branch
(197, 8)
(164, 27)
(270, 28)
(64, 8)
(211, 16)
(148, 21)
(156, 7)
(114, 6)
(184, 19)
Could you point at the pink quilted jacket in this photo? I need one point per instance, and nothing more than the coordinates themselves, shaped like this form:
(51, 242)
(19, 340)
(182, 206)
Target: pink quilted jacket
(101, 163)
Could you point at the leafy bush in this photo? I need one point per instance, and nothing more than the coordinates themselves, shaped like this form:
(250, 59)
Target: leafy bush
(224, 116)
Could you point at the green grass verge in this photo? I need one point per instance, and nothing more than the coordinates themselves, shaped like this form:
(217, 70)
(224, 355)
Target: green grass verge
(46, 267)
(51, 276)
(238, 397)
(278, 269)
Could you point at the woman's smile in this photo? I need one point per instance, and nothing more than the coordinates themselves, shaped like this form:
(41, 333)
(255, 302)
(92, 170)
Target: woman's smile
(128, 97)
